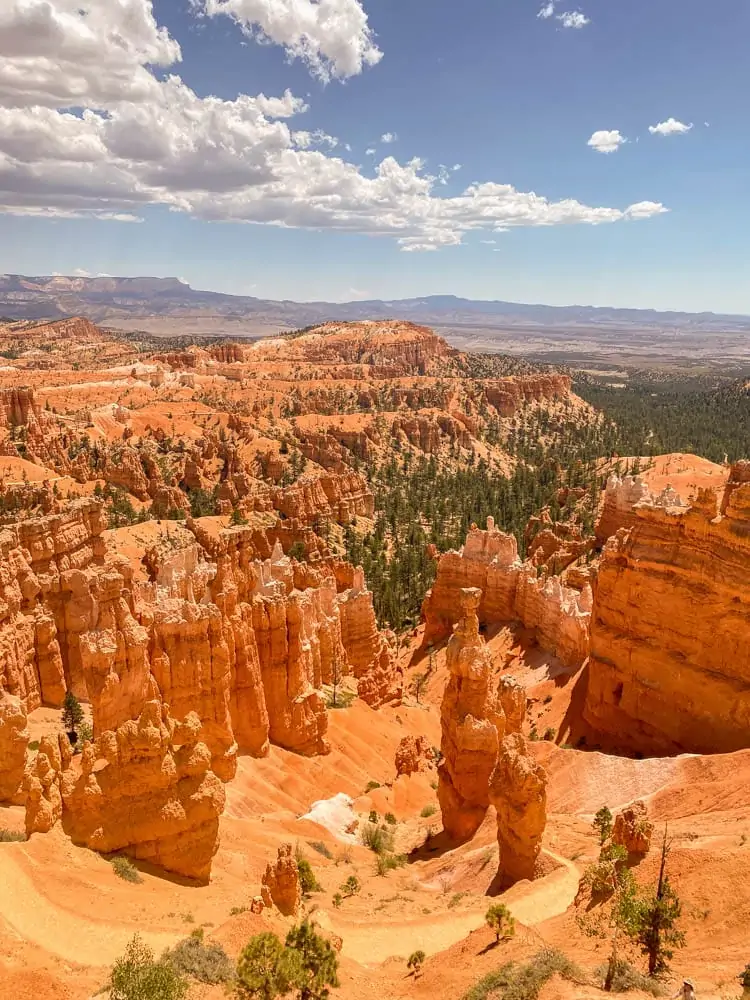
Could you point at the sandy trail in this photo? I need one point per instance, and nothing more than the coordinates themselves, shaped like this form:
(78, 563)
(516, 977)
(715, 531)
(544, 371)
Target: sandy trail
(74, 938)
(530, 903)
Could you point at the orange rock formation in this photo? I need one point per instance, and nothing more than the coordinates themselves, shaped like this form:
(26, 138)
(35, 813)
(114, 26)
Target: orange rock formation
(414, 754)
(281, 884)
(510, 591)
(518, 791)
(632, 829)
(472, 724)
(14, 741)
(670, 624)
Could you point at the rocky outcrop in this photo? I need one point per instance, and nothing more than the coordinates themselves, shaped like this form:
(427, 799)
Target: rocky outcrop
(622, 496)
(14, 742)
(670, 627)
(518, 791)
(632, 829)
(512, 698)
(281, 885)
(472, 723)
(369, 651)
(508, 395)
(510, 591)
(42, 784)
(414, 754)
(147, 789)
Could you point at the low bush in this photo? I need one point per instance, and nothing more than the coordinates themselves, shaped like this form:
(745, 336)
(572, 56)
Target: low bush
(378, 838)
(307, 880)
(321, 848)
(208, 963)
(352, 886)
(390, 819)
(11, 836)
(138, 976)
(428, 810)
(371, 785)
(388, 862)
(125, 869)
(524, 982)
(627, 978)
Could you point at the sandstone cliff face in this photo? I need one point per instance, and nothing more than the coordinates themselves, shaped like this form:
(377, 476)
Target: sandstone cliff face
(147, 789)
(42, 784)
(369, 651)
(668, 669)
(518, 791)
(508, 395)
(14, 742)
(510, 591)
(472, 724)
(281, 885)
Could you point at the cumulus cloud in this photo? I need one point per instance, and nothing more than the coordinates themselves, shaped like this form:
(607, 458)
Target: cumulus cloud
(332, 37)
(547, 10)
(607, 141)
(370, 151)
(156, 142)
(573, 19)
(670, 127)
(388, 137)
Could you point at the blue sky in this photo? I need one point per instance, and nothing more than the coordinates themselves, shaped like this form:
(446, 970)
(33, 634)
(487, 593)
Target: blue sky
(511, 97)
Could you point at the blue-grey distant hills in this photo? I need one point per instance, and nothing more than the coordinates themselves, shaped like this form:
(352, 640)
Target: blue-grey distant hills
(130, 301)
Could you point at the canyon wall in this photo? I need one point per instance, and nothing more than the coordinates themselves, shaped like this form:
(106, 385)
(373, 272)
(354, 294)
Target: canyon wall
(669, 670)
(621, 497)
(510, 591)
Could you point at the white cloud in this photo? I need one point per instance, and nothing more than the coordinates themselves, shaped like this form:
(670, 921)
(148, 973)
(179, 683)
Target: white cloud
(547, 10)
(606, 141)
(370, 151)
(573, 19)
(670, 127)
(157, 143)
(488, 242)
(331, 36)
(388, 137)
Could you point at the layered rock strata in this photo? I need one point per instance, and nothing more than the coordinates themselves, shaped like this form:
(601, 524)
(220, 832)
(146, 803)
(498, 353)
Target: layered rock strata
(621, 497)
(472, 724)
(669, 670)
(518, 791)
(509, 591)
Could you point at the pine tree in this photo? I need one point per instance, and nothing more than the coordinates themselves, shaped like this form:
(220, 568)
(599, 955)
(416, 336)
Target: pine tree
(72, 713)
(313, 964)
(656, 921)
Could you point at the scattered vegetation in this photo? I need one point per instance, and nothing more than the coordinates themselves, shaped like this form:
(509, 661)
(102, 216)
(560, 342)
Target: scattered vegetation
(378, 838)
(208, 963)
(371, 786)
(389, 862)
(603, 824)
(624, 977)
(501, 921)
(321, 848)
(125, 869)
(351, 886)
(11, 836)
(428, 810)
(139, 976)
(415, 962)
(390, 819)
(307, 880)
(525, 982)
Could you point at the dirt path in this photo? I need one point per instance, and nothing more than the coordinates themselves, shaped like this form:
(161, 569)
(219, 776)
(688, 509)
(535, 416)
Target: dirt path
(530, 904)
(87, 941)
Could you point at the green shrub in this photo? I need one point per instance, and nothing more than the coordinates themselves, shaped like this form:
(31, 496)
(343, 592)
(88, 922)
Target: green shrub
(138, 976)
(603, 824)
(314, 963)
(11, 836)
(502, 922)
(416, 960)
(236, 910)
(351, 886)
(307, 880)
(263, 968)
(744, 978)
(208, 963)
(549, 734)
(125, 869)
(371, 785)
(297, 551)
(388, 862)
(321, 848)
(456, 898)
(626, 978)
(373, 817)
(390, 819)
(338, 899)
(429, 810)
(34, 745)
(524, 982)
(378, 838)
